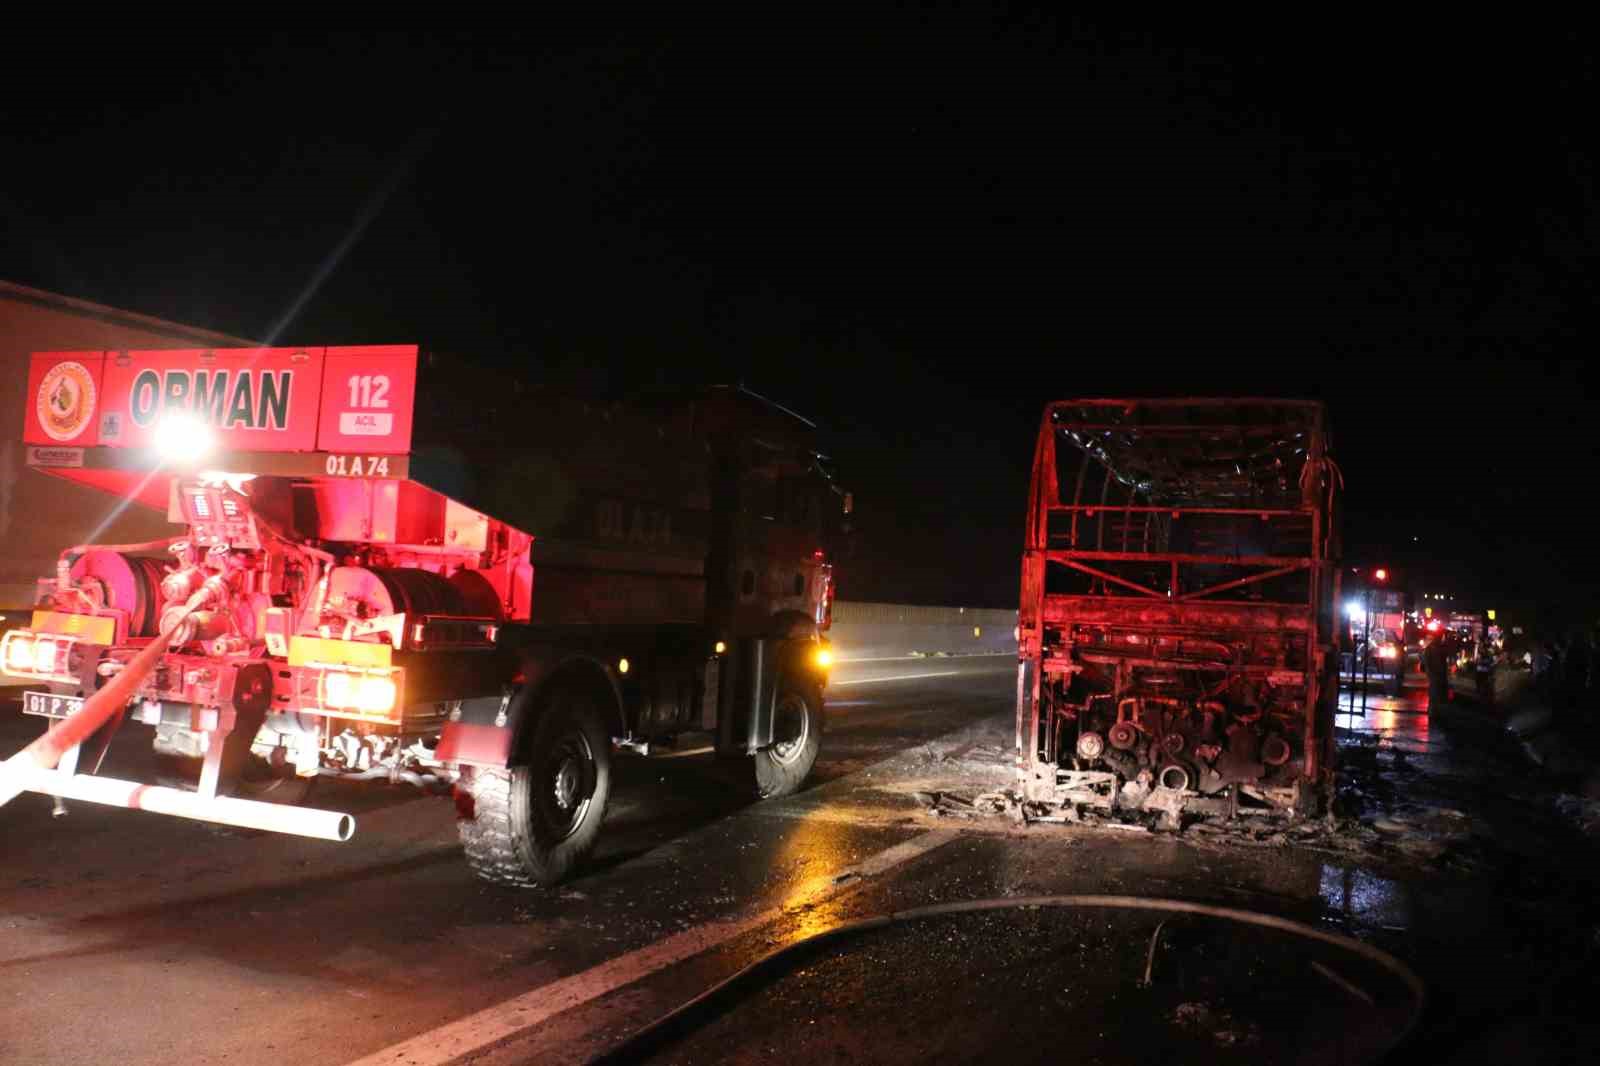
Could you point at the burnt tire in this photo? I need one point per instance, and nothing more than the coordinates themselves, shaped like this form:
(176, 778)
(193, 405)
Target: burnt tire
(531, 826)
(782, 767)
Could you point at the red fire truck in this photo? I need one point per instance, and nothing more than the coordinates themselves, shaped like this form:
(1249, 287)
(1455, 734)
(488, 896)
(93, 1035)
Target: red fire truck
(407, 570)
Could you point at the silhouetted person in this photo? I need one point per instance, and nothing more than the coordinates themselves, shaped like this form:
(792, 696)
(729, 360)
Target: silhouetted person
(1484, 669)
(1543, 668)
(1436, 664)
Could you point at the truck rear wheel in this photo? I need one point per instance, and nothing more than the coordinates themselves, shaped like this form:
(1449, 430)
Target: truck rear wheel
(796, 735)
(532, 825)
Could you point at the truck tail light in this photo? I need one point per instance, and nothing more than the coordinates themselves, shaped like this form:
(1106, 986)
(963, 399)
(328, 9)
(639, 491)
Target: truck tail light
(19, 652)
(338, 688)
(45, 656)
(375, 692)
(376, 695)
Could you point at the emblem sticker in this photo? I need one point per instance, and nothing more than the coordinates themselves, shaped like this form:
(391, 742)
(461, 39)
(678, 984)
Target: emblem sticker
(66, 400)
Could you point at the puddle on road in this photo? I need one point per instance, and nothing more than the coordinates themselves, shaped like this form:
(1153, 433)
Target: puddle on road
(1402, 721)
(1364, 899)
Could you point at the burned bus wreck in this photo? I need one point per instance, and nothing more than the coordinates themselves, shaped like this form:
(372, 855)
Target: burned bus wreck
(1177, 639)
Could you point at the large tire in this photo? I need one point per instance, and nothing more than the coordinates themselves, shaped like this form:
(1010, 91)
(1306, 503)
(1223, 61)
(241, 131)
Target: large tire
(531, 826)
(782, 768)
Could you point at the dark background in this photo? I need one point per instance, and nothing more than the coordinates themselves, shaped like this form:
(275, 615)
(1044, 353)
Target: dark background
(916, 230)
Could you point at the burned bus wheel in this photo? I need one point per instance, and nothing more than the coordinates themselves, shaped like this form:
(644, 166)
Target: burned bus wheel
(533, 825)
(796, 736)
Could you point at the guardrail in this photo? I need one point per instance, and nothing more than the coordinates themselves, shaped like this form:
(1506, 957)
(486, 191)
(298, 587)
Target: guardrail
(892, 630)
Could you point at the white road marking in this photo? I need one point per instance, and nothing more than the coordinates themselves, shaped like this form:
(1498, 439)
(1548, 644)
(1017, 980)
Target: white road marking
(889, 858)
(897, 677)
(504, 1020)
(912, 658)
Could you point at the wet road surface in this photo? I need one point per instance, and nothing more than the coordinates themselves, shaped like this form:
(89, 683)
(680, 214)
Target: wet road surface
(132, 938)
(1401, 721)
(159, 940)
(1216, 991)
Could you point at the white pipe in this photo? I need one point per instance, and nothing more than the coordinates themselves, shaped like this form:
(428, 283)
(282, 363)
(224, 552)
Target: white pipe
(98, 708)
(224, 810)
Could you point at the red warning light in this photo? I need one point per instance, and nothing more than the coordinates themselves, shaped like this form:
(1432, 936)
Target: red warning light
(1381, 574)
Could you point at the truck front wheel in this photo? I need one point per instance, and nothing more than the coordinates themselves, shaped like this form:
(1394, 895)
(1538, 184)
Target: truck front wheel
(532, 825)
(782, 768)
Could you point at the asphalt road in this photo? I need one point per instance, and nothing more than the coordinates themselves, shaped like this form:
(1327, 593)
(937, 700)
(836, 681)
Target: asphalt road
(127, 937)
(130, 938)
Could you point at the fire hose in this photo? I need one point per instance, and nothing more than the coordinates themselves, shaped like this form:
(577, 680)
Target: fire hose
(46, 751)
(657, 1034)
(33, 768)
(426, 782)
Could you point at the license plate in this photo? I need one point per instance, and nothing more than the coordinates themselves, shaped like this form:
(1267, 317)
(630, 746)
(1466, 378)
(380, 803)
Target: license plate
(47, 705)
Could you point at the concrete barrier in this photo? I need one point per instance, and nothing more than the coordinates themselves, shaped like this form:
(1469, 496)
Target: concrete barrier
(894, 630)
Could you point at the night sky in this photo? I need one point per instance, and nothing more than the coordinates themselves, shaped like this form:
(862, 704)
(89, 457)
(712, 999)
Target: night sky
(916, 231)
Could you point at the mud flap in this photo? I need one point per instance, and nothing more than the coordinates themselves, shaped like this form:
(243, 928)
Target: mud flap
(479, 732)
(747, 695)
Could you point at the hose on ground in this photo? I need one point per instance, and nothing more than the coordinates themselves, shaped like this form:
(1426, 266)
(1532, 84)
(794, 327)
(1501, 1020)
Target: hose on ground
(427, 782)
(637, 1046)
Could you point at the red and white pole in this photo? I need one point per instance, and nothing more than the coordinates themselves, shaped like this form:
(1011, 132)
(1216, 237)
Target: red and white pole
(97, 710)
